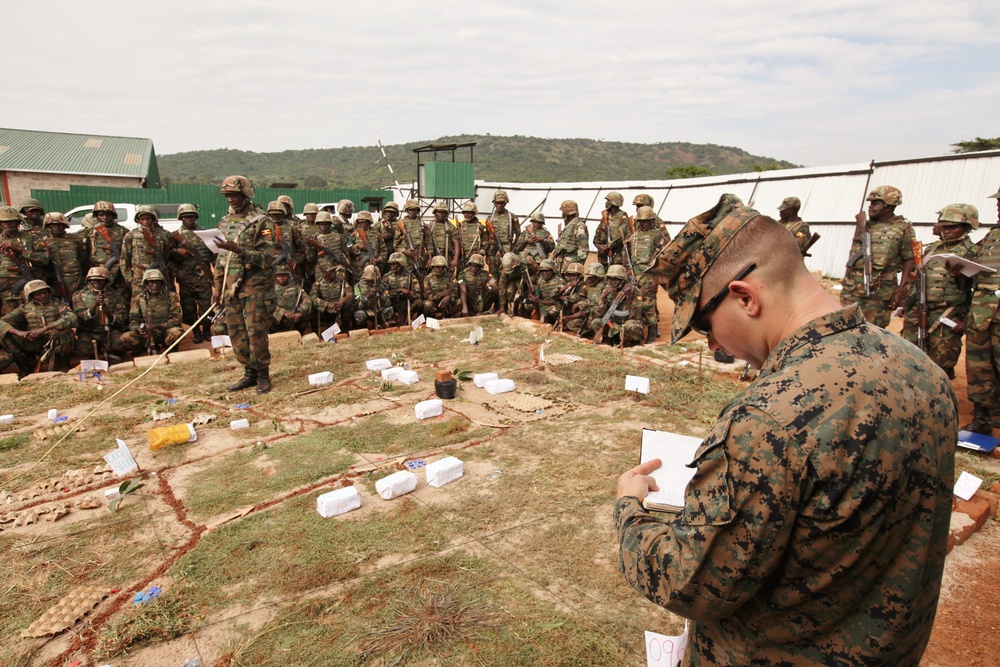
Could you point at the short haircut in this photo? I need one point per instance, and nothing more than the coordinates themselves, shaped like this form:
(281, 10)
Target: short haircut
(762, 240)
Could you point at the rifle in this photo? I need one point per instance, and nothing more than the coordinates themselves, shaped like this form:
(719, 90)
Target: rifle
(918, 258)
(156, 251)
(409, 242)
(47, 353)
(612, 309)
(285, 254)
(493, 232)
(369, 254)
(812, 241)
(604, 256)
(116, 251)
(147, 327)
(179, 238)
(866, 244)
(60, 285)
(314, 242)
(20, 265)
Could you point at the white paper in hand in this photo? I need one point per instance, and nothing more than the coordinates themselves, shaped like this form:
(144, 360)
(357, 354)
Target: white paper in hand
(666, 651)
(967, 485)
(331, 333)
(637, 383)
(120, 459)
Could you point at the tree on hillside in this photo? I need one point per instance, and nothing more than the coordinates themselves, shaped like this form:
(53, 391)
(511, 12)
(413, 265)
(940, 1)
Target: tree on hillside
(767, 167)
(688, 171)
(977, 144)
(315, 182)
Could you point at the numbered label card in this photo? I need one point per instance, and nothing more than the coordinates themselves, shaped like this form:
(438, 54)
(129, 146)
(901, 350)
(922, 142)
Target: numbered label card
(331, 333)
(420, 319)
(967, 485)
(121, 460)
(664, 651)
(637, 383)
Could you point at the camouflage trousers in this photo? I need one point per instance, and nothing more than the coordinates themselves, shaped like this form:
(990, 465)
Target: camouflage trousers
(195, 299)
(399, 306)
(430, 308)
(85, 343)
(982, 362)
(28, 351)
(630, 330)
(876, 311)
(9, 303)
(942, 344)
(248, 320)
(161, 339)
(646, 310)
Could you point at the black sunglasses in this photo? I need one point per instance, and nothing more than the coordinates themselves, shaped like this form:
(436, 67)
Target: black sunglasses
(699, 321)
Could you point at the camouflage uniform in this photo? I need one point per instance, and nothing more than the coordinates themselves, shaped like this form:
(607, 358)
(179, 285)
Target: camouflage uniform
(32, 315)
(507, 228)
(67, 257)
(982, 334)
(511, 285)
(304, 231)
(36, 228)
(402, 279)
(479, 288)
(617, 224)
(947, 296)
(144, 249)
(441, 239)
(285, 299)
(372, 300)
(32, 256)
(473, 239)
(549, 289)
(410, 229)
(325, 294)
(436, 288)
(194, 274)
(89, 330)
(643, 247)
(153, 320)
(573, 244)
(361, 246)
(103, 243)
(798, 227)
(627, 329)
(526, 247)
(332, 255)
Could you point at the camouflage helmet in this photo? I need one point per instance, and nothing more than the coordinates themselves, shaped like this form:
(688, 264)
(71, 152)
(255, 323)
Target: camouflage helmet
(569, 207)
(187, 209)
(345, 207)
(9, 213)
(477, 259)
(28, 204)
(397, 258)
(98, 273)
(282, 270)
(275, 207)
(236, 185)
(310, 208)
(152, 274)
(959, 214)
(546, 264)
(105, 206)
(364, 216)
(615, 199)
(411, 204)
(510, 262)
(287, 202)
(34, 286)
(500, 195)
(391, 206)
(145, 209)
(371, 273)
(575, 268)
(645, 213)
(595, 269)
(617, 271)
(55, 219)
(795, 202)
(324, 216)
(439, 260)
(887, 194)
(469, 206)
(538, 217)
(642, 200)
(441, 205)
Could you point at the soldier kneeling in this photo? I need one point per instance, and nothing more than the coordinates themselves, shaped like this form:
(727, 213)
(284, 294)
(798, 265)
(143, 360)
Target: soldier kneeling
(39, 330)
(155, 317)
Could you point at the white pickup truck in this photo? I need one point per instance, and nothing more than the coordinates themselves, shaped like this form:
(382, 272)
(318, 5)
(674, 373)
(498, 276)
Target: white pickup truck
(126, 216)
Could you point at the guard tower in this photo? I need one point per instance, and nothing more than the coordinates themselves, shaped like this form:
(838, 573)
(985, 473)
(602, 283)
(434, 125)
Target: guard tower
(441, 176)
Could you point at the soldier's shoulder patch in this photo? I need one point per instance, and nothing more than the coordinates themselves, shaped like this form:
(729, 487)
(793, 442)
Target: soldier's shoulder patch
(265, 232)
(800, 234)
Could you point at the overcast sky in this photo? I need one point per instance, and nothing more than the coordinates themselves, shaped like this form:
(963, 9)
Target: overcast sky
(816, 83)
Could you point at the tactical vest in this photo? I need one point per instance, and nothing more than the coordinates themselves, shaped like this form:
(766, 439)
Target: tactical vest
(942, 287)
(988, 254)
(472, 237)
(503, 223)
(644, 245)
(435, 286)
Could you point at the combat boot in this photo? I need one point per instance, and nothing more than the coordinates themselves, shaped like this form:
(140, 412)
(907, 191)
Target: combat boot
(723, 357)
(263, 381)
(651, 335)
(206, 334)
(248, 380)
(981, 420)
(197, 336)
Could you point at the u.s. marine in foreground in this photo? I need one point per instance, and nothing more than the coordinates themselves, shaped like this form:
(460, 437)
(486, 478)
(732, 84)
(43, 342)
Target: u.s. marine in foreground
(815, 529)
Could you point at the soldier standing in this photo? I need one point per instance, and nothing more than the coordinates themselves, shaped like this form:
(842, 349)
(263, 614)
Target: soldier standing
(243, 280)
(43, 323)
(404, 289)
(477, 288)
(66, 256)
(306, 230)
(644, 245)
(33, 217)
(505, 230)
(360, 244)
(292, 305)
(442, 235)
(536, 242)
(342, 219)
(329, 252)
(289, 205)
(286, 246)
(889, 240)
(21, 258)
(788, 212)
(409, 235)
(644, 199)
(154, 319)
(192, 262)
(574, 243)
(384, 230)
(102, 315)
(104, 245)
(609, 235)
(145, 247)
(471, 236)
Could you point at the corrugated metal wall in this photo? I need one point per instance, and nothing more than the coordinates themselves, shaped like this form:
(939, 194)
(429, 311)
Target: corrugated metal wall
(211, 205)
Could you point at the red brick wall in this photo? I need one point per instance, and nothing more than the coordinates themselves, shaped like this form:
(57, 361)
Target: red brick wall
(20, 183)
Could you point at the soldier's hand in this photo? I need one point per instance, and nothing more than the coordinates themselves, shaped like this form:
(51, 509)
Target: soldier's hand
(185, 253)
(216, 295)
(19, 333)
(465, 311)
(99, 299)
(959, 327)
(862, 220)
(637, 481)
(297, 317)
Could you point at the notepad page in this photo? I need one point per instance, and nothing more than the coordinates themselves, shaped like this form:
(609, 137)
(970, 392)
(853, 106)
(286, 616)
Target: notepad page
(675, 451)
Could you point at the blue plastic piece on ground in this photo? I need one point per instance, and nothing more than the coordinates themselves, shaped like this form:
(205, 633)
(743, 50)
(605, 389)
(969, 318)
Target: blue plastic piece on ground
(60, 419)
(171, 401)
(242, 406)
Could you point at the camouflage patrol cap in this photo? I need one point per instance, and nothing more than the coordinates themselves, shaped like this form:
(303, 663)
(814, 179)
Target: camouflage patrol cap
(510, 262)
(397, 258)
(615, 199)
(145, 209)
(438, 260)
(887, 194)
(287, 202)
(55, 219)
(500, 195)
(275, 207)
(546, 264)
(693, 251)
(187, 209)
(34, 286)
(9, 213)
(391, 206)
(645, 213)
(959, 214)
(324, 216)
(283, 270)
(370, 273)
(569, 207)
(538, 217)
(236, 185)
(575, 268)
(790, 202)
(617, 271)
(105, 206)
(151, 275)
(469, 207)
(440, 205)
(345, 206)
(596, 269)
(28, 204)
(98, 273)
(411, 204)
(364, 216)
(310, 208)
(642, 200)
(477, 259)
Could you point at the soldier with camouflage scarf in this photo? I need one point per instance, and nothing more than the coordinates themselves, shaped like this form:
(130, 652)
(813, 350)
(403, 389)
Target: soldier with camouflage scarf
(815, 528)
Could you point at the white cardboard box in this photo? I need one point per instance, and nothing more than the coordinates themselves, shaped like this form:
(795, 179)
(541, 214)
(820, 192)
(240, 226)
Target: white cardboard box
(408, 377)
(237, 424)
(441, 472)
(6, 419)
(338, 502)
(319, 379)
(378, 364)
(480, 379)
(499, 386)
(391, 373)
(426, 409)
(397, 484)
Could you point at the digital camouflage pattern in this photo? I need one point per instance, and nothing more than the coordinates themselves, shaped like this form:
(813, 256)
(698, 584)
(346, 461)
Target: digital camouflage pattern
(890, 249)
(89, 316)
(815, 529)
(947, 296)
(982, 335)
(158, 315)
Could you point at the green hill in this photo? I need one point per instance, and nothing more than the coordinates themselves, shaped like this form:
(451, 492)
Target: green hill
(506, 159)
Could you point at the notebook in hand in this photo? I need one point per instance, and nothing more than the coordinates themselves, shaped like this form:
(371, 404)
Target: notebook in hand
(675, 451)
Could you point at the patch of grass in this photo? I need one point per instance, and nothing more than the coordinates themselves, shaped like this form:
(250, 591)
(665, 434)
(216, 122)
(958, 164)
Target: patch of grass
(13, 441)
(972, 463)
(375, 434)
(162, 619)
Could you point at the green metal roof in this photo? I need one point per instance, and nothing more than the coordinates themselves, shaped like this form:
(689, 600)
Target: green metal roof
(64, 153)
